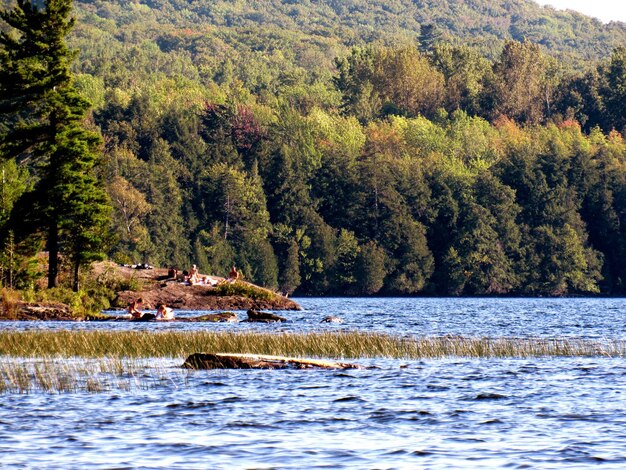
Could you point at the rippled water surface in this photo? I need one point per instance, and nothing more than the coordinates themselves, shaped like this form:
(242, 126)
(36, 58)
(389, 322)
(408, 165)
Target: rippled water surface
(513, 413)
(515, 317)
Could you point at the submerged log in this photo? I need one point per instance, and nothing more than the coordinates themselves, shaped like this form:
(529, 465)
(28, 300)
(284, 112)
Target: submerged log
(263, 317)
(258, 361)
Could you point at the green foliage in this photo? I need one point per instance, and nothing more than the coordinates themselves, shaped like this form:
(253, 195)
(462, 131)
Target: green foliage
(44, 117)
(243, 289)
(290, 275)
(370, 269)
(380, 81)
(517, 87)
(423, 159)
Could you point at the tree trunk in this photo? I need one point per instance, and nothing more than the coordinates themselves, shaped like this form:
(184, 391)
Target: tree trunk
(53, 255)
(76, 281)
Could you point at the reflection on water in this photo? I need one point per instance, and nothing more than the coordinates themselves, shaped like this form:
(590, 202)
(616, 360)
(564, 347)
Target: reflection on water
(513, 413)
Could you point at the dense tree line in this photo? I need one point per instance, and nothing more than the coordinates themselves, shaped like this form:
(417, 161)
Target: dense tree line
(392, 166)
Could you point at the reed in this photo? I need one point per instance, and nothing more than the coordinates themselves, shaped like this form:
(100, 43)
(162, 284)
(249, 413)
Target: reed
(72, 375)
(339, 345)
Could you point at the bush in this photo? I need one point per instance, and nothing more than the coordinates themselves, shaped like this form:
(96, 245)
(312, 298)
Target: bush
(242, 289)
(9, 300)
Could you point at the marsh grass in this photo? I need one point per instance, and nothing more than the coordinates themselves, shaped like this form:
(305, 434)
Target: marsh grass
(101, 361)
(72, 375)
(340, 345)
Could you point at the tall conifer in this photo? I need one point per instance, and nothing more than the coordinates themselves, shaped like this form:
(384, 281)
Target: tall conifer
(42, 116)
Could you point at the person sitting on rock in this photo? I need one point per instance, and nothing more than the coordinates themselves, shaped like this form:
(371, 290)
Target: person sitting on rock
(164, 313)
(233, 275)
(133, 308)
(172, 273)
(194, 276)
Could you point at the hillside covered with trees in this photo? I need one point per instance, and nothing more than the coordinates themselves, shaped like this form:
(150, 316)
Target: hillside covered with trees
(348, 147)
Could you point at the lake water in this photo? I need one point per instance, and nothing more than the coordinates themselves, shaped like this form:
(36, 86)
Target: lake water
(450, 413)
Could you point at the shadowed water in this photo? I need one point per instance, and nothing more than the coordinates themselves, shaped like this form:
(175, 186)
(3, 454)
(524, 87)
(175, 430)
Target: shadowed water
(507, 413)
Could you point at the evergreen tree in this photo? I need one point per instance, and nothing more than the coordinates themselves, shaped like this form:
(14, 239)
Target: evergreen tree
(34, 63)
(290, 274)
(370, 269)
(85, 209)
(428, 37)
(46, 116)
(616, 93)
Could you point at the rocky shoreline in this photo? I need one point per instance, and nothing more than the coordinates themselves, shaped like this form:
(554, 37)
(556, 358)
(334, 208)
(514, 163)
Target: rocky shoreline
(28, 311)
(156, 288)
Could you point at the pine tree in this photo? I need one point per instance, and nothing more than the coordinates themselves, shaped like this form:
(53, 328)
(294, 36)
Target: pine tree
(43, 117)
(34, 62)
(82, 206)
(290, 276)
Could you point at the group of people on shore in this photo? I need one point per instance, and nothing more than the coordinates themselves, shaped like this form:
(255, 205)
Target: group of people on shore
(164, 313)
(193, 277)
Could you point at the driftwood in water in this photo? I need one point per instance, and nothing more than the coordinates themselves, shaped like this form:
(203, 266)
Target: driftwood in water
(263, 317)
(257, 361)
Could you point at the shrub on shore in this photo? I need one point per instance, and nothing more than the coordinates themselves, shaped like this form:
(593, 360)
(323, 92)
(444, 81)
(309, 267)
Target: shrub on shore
(99, 289)
(243, 289)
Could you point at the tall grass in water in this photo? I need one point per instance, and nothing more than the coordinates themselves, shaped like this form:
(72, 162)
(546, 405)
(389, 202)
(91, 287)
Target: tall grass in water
(100, 361)
(58, 375)
(130, 344)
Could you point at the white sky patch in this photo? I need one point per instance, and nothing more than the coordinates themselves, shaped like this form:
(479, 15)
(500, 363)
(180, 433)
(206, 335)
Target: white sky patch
(604, 10)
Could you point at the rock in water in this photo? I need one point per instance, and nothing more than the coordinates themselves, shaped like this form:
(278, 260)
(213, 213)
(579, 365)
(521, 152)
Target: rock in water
(263, 317)
(258, 361)
(230, 317)
(332, 319)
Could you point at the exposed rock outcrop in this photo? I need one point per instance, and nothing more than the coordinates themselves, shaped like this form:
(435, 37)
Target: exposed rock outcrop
(156, 288)
(40, 311)
(229, 317)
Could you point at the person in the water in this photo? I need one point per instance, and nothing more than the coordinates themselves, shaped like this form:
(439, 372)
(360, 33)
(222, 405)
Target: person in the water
(134, 306)
(164, 313)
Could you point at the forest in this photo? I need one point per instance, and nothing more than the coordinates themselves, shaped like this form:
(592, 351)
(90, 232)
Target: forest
(327, 147)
